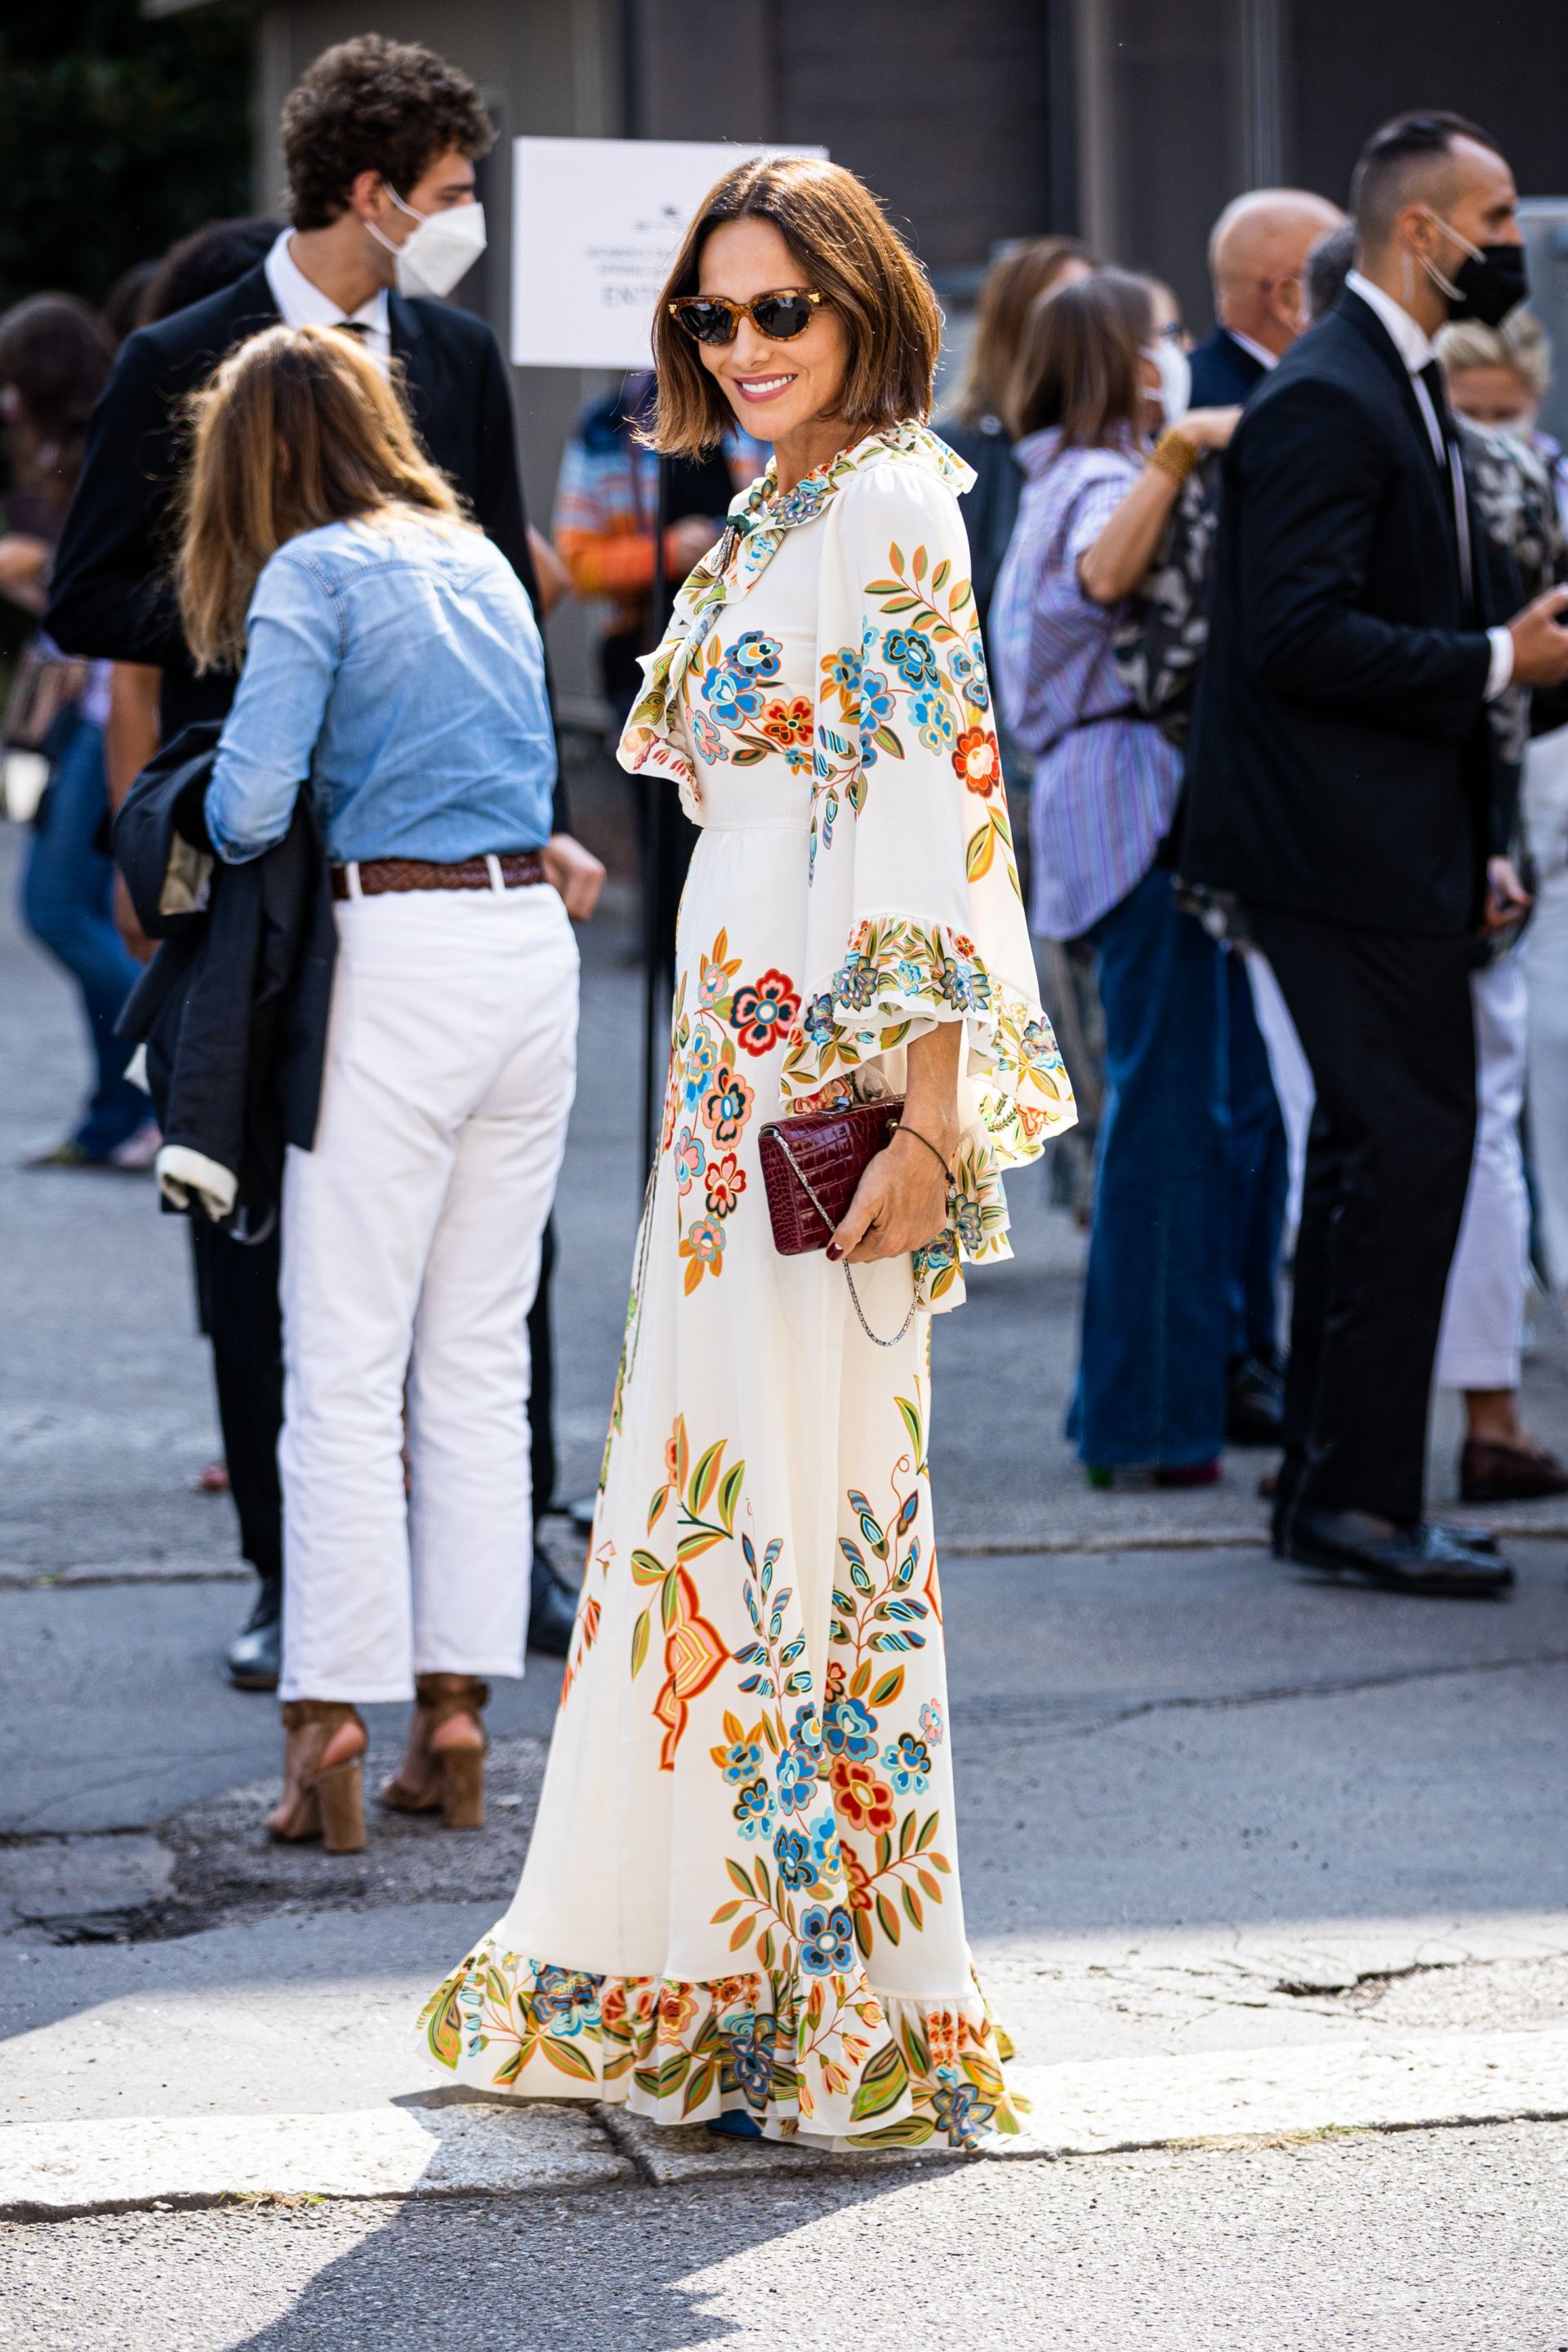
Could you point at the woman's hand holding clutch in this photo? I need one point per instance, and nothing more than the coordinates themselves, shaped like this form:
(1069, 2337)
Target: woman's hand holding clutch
(901, 1200)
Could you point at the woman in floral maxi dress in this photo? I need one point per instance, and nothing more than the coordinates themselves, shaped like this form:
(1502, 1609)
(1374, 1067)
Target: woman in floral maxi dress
(741, 1900)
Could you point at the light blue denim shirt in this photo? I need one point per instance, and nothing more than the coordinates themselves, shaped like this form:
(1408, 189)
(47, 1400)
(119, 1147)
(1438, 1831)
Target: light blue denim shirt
(398, 667)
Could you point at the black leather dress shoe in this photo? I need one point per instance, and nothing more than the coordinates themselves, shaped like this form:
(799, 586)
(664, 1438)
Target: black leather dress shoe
(551, 1610)
(1255, 1414)
(255, 1657)
(1421, 1559)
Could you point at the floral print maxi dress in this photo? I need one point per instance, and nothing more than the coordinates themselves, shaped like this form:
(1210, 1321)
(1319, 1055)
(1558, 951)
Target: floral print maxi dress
(741, 1895)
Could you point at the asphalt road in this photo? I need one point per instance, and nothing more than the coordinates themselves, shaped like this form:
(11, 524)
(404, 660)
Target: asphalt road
(1233, 1841)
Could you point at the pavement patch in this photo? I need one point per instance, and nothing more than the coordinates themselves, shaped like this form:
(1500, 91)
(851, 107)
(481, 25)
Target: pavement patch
(433, 2145)
(53, 2171)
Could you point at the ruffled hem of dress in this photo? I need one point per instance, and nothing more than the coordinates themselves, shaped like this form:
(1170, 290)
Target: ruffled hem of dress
(818, 2058)
(899, 978)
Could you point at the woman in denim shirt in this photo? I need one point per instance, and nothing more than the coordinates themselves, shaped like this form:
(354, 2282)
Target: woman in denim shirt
(393, 663)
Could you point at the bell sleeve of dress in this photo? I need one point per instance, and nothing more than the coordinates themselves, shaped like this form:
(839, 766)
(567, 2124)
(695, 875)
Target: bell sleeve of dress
(915, 915)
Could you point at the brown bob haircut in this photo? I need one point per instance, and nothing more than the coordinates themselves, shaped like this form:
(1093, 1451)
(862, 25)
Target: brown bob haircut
(299, 427)
(1078, 362)
(1013, 283)
(843, 250)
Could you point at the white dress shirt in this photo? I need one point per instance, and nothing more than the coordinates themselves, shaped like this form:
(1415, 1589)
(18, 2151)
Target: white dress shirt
(302, 304)
(1264, 358)
(1416, 348)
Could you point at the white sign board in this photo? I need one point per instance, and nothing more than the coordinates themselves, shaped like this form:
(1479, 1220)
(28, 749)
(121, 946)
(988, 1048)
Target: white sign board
(595, 225)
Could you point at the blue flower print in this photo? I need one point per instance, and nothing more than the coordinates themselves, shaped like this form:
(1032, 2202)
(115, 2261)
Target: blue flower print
(754, 1809)
(817, 1020)
(796, 1777)
(825, 1939)
(753, 2047)
(792, 1852)
(911, 977)
(970, 1224)
(856, 983)
(841, 672)
(732, 696)
(908, 1763)
(701, 1057)
(743, 1761)
(912, 656)
(933, 714)
(849, 1729)
(960, 2110)
(931, 1722)
(826, 1855)
(565, 2000)
(807, 1730)
(876, 700)
(757, 656)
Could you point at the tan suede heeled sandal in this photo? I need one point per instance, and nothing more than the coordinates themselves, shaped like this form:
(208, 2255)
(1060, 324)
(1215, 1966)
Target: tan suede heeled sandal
(447, 1752)
(323, 1775)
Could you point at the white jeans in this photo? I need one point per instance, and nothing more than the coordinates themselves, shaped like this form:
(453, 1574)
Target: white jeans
(411, 1240)
(1482, 1335)
(1546, 963)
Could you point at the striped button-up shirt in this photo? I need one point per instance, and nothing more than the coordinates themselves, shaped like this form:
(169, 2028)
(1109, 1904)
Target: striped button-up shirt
(1104, 792)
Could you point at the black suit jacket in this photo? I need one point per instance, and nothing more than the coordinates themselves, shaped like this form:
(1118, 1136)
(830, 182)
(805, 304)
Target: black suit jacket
(110, 595)
(1223, 375)
(1342, 765)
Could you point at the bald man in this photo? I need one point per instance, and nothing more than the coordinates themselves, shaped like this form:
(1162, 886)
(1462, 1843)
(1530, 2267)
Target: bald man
(1257, 259)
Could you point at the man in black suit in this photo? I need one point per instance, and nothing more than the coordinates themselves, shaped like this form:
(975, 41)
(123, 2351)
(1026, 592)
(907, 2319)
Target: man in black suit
(379, 142)
(1257, 261)
(1343, 785)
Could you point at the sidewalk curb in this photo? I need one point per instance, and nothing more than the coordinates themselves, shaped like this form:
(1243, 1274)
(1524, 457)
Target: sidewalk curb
(488, 2146)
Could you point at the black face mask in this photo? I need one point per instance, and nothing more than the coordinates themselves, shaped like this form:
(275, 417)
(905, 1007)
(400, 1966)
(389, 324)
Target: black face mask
(1492, 281)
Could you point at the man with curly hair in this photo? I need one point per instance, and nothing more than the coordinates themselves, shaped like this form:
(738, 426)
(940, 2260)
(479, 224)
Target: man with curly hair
(380, 139)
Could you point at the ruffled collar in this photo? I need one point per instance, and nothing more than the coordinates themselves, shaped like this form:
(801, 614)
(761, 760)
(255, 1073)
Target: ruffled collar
(758, 521)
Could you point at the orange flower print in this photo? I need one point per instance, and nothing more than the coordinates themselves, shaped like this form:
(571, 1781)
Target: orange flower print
(788, 723)
(859, 1881)
(978, 761)
(863, 1800)
(612, 2003)
(942, 2035)
(676, 2007)
(726, 1183)
(733, 1992)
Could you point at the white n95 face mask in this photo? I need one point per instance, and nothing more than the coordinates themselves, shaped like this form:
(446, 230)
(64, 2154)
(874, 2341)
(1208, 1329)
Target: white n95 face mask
(443, 248)
(1175, 378)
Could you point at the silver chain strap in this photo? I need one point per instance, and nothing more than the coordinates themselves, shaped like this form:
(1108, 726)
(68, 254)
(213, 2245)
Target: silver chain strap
(854, 1294)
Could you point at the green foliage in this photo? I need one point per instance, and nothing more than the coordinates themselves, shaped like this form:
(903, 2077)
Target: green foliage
(118, 134)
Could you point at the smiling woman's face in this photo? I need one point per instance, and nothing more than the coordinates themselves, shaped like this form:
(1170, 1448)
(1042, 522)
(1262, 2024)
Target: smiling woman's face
(774, 388)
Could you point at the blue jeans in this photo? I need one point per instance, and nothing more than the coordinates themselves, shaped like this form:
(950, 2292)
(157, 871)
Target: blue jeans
(1260, 1177)
(1156, 1343)
(66, 901)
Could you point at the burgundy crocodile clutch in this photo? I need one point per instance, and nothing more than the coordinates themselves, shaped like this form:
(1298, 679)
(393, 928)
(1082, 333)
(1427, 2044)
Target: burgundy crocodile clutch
(823, 1153)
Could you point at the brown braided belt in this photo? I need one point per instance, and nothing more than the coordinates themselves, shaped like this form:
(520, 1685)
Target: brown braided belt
(519, 868)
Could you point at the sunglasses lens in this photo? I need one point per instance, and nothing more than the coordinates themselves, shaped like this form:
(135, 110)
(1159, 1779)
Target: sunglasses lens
(710, 322)
(783, 316)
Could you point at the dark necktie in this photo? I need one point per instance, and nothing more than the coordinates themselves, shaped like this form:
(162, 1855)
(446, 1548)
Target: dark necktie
(1431, 377)
(358, 328)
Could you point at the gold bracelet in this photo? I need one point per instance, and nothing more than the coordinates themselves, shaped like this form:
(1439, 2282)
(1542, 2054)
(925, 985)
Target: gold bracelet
(1175, 455)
